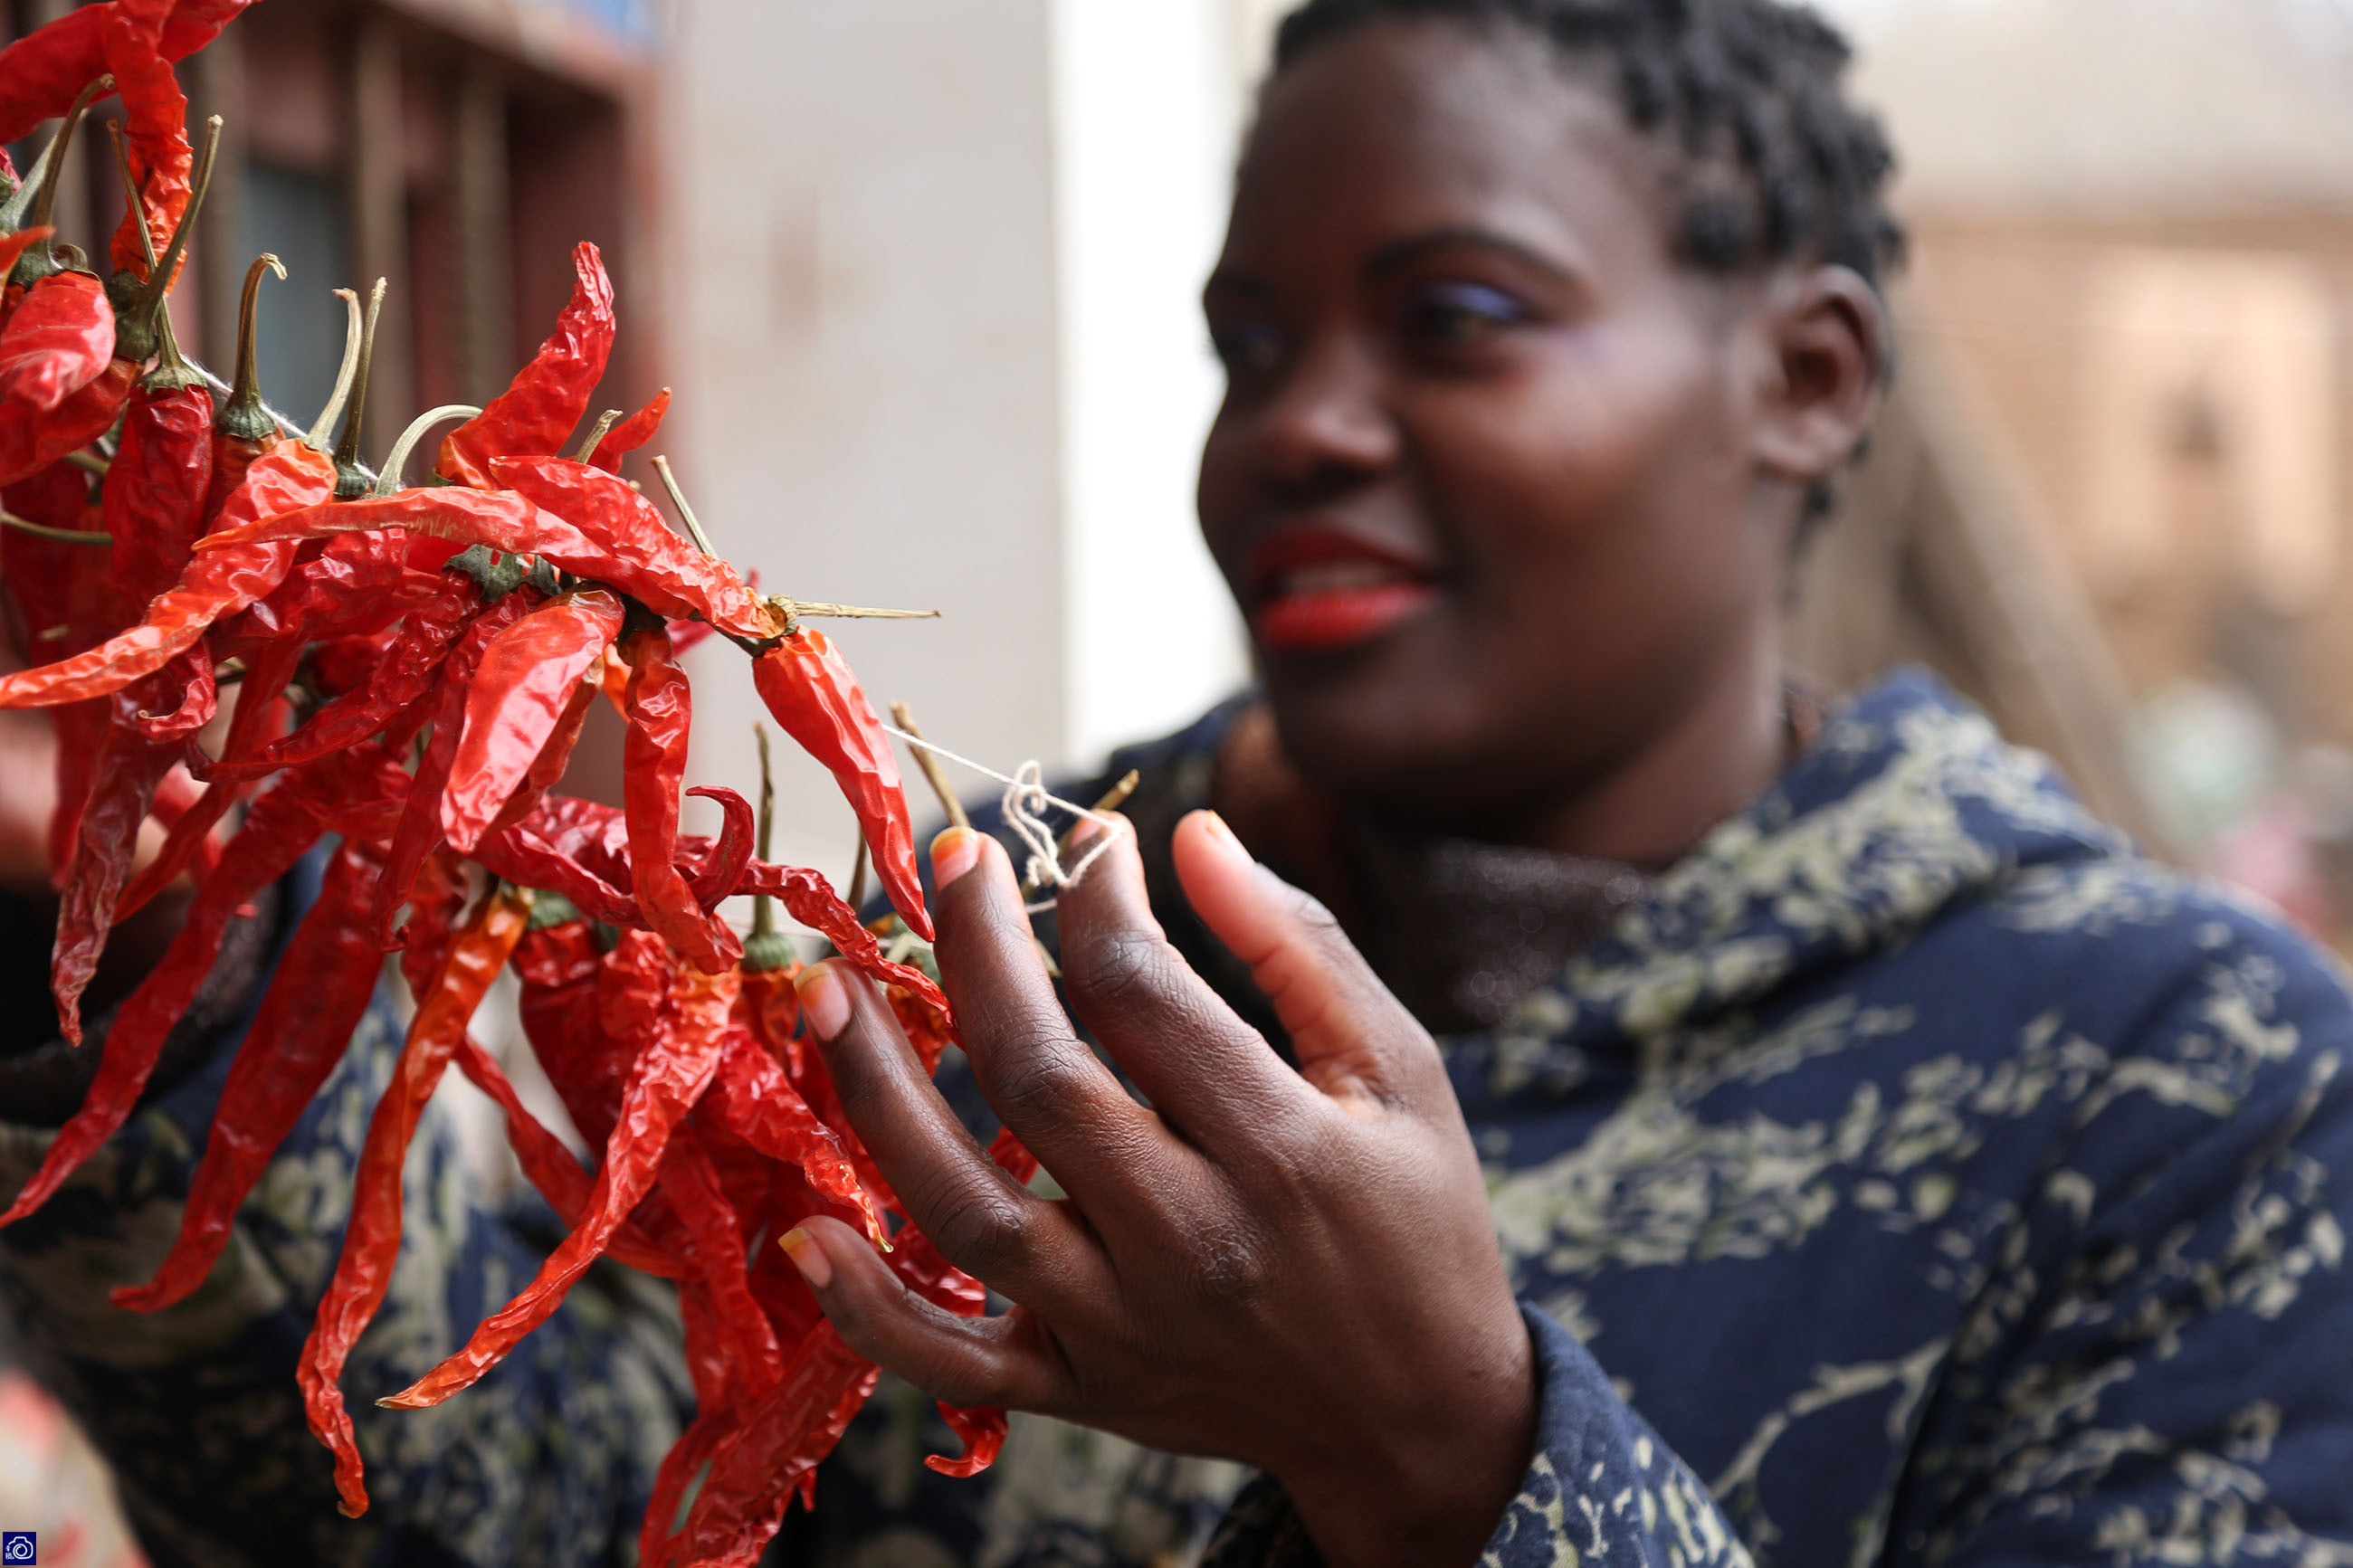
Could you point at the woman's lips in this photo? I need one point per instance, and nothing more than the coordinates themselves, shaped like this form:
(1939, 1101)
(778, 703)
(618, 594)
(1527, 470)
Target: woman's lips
(1332, 620)
(1320, 593)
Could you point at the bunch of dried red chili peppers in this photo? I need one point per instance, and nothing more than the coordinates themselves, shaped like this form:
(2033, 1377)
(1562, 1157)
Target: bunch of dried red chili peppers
(412, 667)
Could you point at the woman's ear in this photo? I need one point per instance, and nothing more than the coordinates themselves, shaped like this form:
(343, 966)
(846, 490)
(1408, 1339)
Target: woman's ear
(1828, 337)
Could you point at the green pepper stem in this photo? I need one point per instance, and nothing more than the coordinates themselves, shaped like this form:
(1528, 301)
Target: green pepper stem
(347, 446)
(37, 260)
(62, 535)
(353, 327)
(764, 908)
(397, 459)
(243, 415)
(159, 272)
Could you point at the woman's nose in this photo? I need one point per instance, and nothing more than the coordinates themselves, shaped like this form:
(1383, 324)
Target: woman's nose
(1326, 427)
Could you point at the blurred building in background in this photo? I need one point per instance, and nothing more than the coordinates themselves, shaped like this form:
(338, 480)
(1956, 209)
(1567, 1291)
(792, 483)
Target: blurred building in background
(2113, 498)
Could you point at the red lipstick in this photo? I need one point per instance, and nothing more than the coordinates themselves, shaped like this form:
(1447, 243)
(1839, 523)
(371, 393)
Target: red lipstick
(1320, 591)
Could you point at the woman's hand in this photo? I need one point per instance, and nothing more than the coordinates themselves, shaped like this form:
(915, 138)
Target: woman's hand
(1291, 1269)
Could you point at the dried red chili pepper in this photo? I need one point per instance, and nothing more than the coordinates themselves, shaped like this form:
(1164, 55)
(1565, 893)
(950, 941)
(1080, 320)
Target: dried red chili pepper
(526, 682)
(626, 526)
(630, 433)
(549, 396)
(402, 677)
(715, 1237)
(519, 854)
(504, 522)
(124, 776)
(714, 879)
(154, 495)
(155, 130)
(756, 1468)
(752, 1099)
(279, 830)
(661, 718)
(554, 757)
(666, 1080)
(59, 340)
(419, 833)
(559, 968)
(435, 901)
(273, 669)
(41, 72)
(243, 429)
(983, 1431)
(31, 440)
(302, 1030)
(809, 899)
(349, 581)
(812, 692)
(191, 674)
(372, 1233)
(216, 583)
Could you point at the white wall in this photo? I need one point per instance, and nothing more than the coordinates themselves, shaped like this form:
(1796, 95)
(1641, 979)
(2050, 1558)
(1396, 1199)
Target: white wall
(1145, 104)
(866, 356)
(937, 344)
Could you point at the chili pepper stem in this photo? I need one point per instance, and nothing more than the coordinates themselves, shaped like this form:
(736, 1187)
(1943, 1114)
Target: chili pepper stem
(685, 512)
(596, 433)
(397, 459)
(39, 261)
(933, 775)
(855, 897)
(90, 463)
(323, 426)
(243, 417)
(353, 480)
(62, 535)
(141, 328)
(764, 908)
(798, 609)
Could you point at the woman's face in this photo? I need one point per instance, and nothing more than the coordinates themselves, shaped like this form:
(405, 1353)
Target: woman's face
(1482, 481)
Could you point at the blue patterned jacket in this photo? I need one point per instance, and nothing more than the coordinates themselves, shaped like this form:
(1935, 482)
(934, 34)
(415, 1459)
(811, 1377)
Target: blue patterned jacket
(1921, 1177)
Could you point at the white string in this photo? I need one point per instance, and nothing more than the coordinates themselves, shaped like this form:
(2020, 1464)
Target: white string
(1025, 805)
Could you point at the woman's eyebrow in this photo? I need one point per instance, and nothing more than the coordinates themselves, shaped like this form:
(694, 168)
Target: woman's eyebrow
(1398, 253)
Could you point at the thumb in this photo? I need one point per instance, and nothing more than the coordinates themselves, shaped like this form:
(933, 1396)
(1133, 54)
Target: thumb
(1356, 1042)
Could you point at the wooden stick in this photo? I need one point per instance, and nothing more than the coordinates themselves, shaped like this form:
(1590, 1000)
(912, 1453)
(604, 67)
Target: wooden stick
(932, 773)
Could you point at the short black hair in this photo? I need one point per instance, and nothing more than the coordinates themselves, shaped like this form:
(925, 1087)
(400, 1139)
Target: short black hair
(1778, 164)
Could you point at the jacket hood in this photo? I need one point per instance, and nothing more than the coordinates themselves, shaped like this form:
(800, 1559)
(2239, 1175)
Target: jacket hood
(1907, 805)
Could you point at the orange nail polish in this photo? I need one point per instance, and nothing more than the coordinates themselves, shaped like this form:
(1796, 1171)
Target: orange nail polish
(808, 1257)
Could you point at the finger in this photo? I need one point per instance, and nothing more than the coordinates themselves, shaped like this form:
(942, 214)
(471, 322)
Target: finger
(1355, 1041)
(1204, 1070)
(1038, 1074)
(982, 1220)
(969, 1361)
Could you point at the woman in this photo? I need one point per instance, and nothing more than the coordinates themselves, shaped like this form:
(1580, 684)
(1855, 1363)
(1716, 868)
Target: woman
(1841, 1147)
(1925, 1177)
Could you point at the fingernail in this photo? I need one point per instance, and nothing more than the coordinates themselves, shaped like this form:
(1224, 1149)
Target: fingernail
(808, 1257)
(824, 1003)
(1217, 825)
(953, 853)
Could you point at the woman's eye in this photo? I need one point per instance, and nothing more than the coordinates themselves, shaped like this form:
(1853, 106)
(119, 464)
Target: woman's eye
(1244, 346)
(1453, 315)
